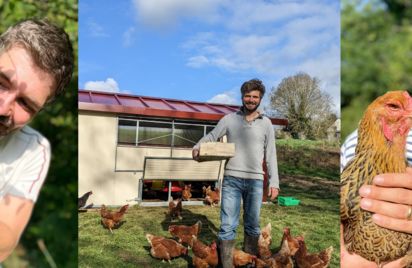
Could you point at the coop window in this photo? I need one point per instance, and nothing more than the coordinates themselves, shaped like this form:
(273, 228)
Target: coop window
(127, 132)
(154, 133)
(209, 128)
(142, 132)
(186, 135)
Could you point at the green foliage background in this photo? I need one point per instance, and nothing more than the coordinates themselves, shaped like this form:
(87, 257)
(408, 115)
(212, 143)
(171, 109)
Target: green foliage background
(376, 45)
(54, 218)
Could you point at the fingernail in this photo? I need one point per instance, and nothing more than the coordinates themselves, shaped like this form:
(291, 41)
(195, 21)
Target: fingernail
(365, 190)
(378, 180)
(365, 203)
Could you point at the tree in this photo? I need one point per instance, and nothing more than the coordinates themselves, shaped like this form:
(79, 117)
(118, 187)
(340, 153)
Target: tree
(307, 108)
(401, 9)
(376, 49)
(54, 218)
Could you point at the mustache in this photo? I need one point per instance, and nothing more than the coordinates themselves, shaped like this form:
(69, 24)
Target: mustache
(251, 102)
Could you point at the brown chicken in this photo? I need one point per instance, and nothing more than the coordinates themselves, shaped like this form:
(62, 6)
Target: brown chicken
(165, 249)
(314, 260)
(83, 199)
(111, 219)
(199, 263)
(211, 197)
(265, 239)
(293, 244)
(381, 149)
(185, 233)
(208, 254)
(187, 192)
(175, 209)
(241, 258)
(283, 258)
(104, 212)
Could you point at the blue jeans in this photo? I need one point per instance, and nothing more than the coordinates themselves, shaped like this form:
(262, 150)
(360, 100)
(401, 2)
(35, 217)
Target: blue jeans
(233, 190)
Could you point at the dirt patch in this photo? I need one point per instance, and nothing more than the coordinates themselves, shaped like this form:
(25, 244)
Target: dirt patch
(298, 181)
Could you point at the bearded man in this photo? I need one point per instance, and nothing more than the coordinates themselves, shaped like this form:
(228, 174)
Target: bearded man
(253, 136)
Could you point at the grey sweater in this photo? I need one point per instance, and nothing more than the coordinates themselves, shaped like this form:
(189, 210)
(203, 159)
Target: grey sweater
(253, 141)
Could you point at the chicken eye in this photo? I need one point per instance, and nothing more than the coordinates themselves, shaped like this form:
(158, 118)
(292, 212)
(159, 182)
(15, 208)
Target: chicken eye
(393, 106)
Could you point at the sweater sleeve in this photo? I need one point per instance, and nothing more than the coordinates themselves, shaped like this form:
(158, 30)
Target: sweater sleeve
(271, 159)
(218, 132)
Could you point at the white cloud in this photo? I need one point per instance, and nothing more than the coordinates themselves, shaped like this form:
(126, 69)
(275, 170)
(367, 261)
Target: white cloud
(128, 36)
(96, 30)
(274, 39)
(110, 85)
(166, 13)
(271, 39)
(197, 61)
(228, 97)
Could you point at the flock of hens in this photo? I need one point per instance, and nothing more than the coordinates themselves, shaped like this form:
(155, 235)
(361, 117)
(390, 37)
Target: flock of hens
(292, 253)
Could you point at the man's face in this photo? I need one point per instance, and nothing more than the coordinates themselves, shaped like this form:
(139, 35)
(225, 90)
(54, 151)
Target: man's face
(251, 100)
(24, 89)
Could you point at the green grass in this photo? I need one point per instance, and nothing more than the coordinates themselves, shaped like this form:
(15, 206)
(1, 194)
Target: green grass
(308, 158)
(308, 144)
(309, 171)
(316, 217)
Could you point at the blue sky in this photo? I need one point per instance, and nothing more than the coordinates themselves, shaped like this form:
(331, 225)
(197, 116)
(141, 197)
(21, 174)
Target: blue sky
(204, 50)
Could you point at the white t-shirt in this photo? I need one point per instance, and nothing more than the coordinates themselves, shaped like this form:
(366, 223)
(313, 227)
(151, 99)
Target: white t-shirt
(347, 150)
(24, 162)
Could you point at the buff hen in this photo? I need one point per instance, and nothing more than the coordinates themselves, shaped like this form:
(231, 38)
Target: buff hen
(304, 259)
(164, 248)
(184, 233)
(110, 219)
(211, 197)
(381, 149)
(204, 254)
(187, 192)
(241, 258)
(264, 242)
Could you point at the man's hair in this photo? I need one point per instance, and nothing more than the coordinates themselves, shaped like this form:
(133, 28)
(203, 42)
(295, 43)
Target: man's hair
(49, 47)
(251, 85)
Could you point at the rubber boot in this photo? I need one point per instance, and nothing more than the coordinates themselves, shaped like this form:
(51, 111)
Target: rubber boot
(226, 253)
(250, 245)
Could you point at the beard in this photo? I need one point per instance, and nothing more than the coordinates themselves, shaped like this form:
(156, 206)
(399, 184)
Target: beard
(250, 110)
(6, 126)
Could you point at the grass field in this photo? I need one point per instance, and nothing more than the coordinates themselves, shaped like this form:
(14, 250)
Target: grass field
(317, 218)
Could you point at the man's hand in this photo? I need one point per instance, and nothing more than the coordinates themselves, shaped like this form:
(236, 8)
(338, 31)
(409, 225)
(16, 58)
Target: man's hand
(390, 198)
(7, 239)
(195, 154)
(273, 193)
(14, 215)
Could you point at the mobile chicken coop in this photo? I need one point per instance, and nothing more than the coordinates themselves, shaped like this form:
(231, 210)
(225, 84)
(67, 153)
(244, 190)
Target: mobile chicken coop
(139, 148)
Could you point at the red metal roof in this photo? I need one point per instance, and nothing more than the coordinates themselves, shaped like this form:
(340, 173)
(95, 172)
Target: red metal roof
(159, 107)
